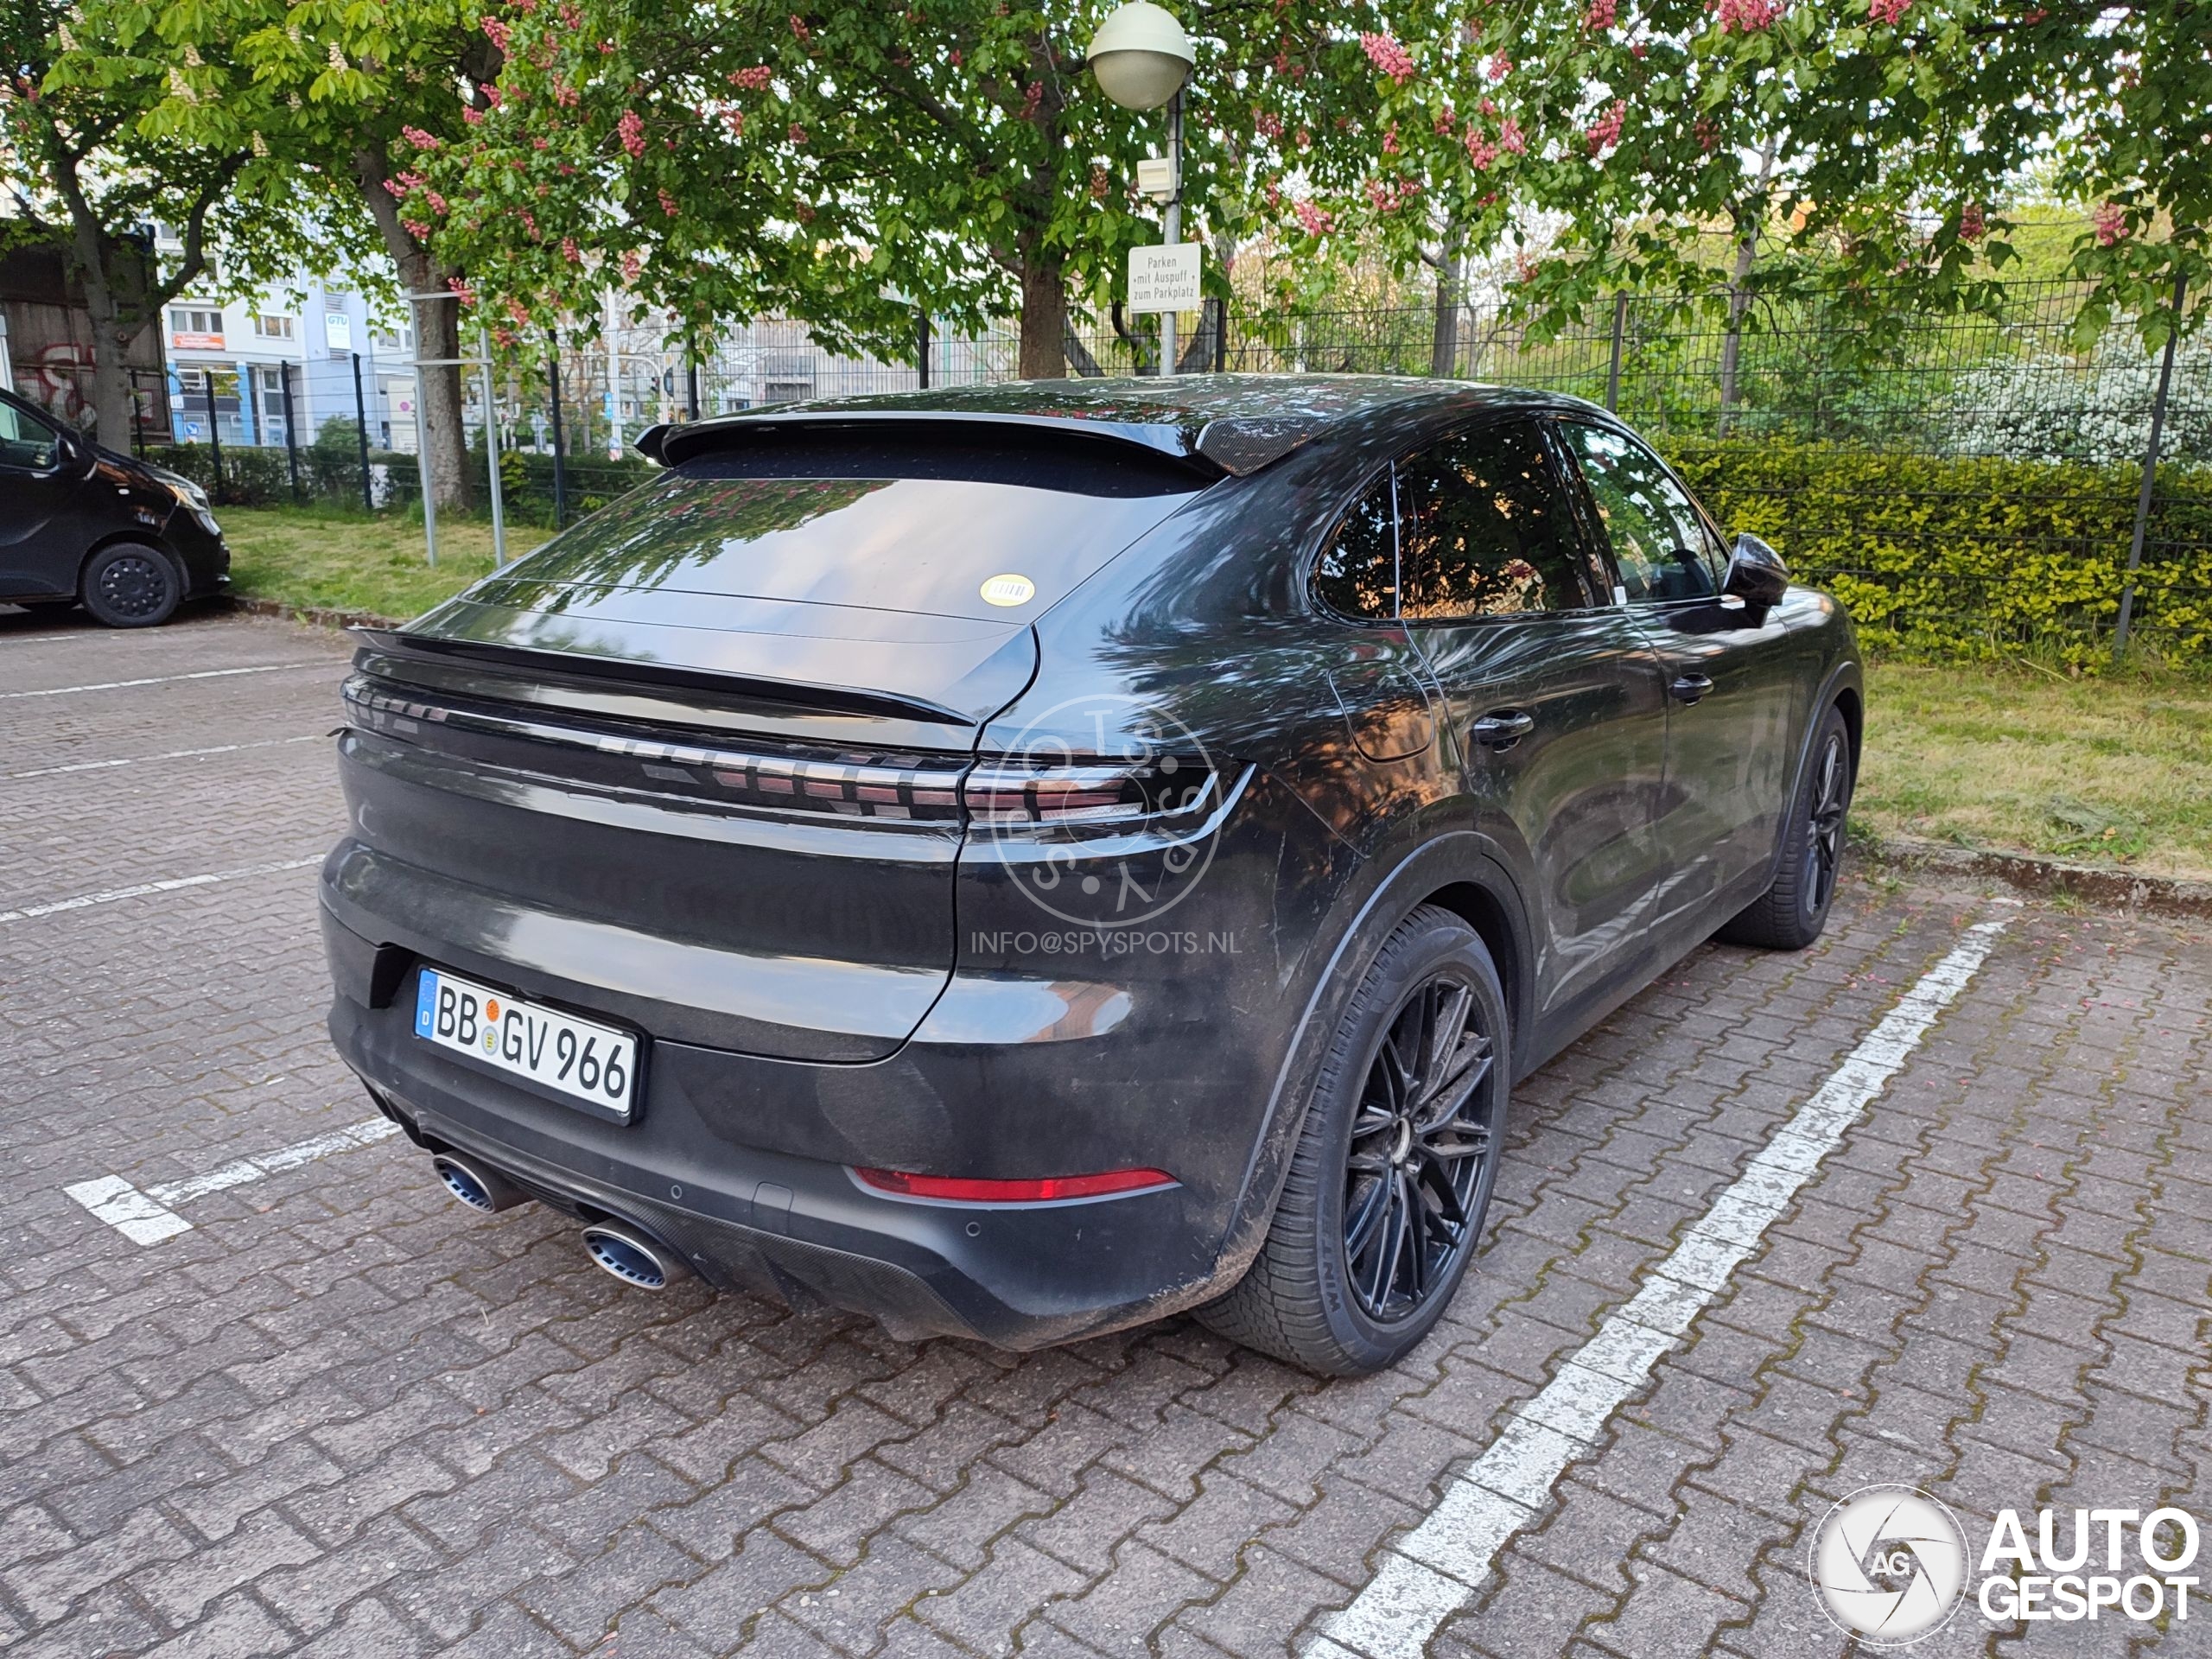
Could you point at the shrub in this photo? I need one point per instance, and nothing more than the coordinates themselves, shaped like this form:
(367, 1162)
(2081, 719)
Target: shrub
(1972, 555)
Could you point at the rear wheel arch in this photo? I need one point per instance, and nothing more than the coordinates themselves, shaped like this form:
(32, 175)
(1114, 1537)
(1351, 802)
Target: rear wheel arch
(1500, 927)
(1848, 703)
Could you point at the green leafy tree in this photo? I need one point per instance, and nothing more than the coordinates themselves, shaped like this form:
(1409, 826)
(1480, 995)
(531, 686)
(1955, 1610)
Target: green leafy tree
(845, 163)
(118, 116)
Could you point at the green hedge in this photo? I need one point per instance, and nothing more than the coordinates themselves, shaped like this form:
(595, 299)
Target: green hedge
(1973, 556)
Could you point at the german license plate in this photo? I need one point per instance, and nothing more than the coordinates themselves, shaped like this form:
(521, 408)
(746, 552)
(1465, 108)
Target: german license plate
(594, 1064)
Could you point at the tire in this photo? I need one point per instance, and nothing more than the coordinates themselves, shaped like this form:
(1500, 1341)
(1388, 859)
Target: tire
(131, 585)
(1789, 915)
(1314, 1296)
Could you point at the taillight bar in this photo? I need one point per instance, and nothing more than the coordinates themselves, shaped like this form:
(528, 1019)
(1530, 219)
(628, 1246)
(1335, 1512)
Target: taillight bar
(1089, 793)
(1047, 1189)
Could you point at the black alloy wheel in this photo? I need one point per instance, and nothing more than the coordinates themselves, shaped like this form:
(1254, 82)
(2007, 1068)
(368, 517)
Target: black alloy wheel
(1790, 913)
(132, 586)
(1824, 821)
(1420, 1138)
(1382, 1207)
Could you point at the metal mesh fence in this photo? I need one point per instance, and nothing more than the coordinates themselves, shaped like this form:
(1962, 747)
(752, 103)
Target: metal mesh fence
(1963, 481)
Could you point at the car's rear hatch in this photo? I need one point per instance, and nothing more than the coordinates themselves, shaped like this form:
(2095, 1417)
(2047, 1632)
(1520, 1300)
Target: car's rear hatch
(695, 763)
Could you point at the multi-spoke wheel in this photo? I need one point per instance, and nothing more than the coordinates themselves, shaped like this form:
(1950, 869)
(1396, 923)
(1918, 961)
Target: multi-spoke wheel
(127, 584)
(1789, 915)
(1420, 1137)
(1382, 1207)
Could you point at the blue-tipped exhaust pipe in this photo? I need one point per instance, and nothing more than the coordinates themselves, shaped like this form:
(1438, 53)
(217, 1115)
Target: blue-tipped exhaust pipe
(476, 1186)
(630, 1256)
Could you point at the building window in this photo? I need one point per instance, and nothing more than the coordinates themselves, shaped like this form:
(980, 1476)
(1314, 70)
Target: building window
(268, 327)
(192, 329)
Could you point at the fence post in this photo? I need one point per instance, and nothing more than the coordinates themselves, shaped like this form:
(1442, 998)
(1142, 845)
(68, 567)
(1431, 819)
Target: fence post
(361, 431)
(2150, 477)
(1614, 373)
(560, 461)
(291, 429)
(922, 348)
(215, 436)
(690, 385)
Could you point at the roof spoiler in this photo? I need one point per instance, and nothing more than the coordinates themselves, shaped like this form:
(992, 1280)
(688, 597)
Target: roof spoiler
(1219, 448)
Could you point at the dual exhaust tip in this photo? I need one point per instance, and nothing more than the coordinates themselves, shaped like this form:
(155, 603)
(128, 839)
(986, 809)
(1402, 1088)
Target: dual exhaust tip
(616, 1248)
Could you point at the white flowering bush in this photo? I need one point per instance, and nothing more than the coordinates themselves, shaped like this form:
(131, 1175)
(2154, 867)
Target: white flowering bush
(2095, 411)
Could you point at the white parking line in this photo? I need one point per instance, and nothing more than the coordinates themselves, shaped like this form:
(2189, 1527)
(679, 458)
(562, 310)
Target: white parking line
(148, 1218)
(85, 901)
(167, 754)
(170, 679)
(1430, 1573)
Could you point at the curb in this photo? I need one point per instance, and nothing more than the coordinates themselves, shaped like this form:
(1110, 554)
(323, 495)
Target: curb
(314, 615)
(2046, 878)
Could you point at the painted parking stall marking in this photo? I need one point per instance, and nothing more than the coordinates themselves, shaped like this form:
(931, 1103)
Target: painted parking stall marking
(114, 896)
(148, 1217)
(167, 755)
(1430, 1573)
(162, 679)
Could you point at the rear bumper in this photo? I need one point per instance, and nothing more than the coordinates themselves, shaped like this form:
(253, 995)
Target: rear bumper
(748, 1218)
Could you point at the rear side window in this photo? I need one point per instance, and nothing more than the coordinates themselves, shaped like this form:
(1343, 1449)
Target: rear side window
(1660, 544)
(25, 442)
(1359, 572)
(1483, 530)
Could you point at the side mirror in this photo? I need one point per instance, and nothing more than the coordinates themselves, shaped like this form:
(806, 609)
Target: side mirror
(71, 449)
(1756, 572)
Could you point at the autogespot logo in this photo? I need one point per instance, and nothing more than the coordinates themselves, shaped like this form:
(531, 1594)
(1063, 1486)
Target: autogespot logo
(1889, 1563)
(1103, 811)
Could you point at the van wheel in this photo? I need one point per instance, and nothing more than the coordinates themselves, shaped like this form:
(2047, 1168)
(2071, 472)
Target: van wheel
(1383, 1205)
(130, 585)
(1789, 915)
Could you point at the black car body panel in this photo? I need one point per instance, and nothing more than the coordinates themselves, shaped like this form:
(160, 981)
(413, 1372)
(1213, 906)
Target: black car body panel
(894, 986)
(61, 503)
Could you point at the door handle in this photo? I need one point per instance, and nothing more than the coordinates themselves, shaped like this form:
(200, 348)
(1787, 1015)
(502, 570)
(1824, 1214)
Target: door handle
(1689, 688)
(1503, 729)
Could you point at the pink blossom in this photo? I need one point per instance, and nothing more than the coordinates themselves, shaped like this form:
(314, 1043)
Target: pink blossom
(1510, 139)
(491, 94)
(460, 287)
(538, 144)
(1500, 65)
(1303, 139)
(1267, 124)
(2111, 220)
(631, 129)
(497, 32)
(1480, 151)
(1390, 142)
(800, 29)
(1315, 221)
(529, 223)
(415, 228)
(437, 203)
(503, 334)
(1888, 11)
(1487, 107)
(571, 19)
(395, 189)
(1602, 15)
(564, 94)
(1971, 222)
(1606, 131)
(1388, 196)
(735, 120)
(1708, 134)
(633, 263)
(752, 79)
(419, 138)
(471, 114)
(1443, 120)
(1749, 16)
(1640, 49)
(1273, 194)
(1387, 55)
(570, 252)
(668, 203)
(798, 134)
(518, 310)
(1031, 98)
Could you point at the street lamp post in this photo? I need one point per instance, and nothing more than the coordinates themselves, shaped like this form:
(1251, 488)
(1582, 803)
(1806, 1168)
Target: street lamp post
(1141, 58)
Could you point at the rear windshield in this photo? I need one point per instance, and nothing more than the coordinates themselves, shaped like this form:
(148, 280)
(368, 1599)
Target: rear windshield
(912, 529)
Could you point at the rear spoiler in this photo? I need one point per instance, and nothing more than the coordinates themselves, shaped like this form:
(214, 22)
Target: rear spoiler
(1222, 448)
(560, 665)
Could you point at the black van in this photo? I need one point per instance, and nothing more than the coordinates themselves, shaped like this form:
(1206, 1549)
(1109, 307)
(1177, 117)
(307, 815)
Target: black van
(82, 524)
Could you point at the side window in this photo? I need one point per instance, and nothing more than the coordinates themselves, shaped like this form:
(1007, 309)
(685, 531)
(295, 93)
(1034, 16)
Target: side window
(1358, 574)
(25, 442)
(1660, 541)
(1483, 530)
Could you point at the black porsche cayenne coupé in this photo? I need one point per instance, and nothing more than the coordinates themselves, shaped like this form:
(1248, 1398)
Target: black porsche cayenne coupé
(1019, 861)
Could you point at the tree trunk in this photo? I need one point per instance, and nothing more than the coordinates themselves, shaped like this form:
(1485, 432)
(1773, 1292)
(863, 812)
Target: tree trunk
(1732, 343)
(446, 470)
(1044, 315)
(1444, 349)
(114, 275)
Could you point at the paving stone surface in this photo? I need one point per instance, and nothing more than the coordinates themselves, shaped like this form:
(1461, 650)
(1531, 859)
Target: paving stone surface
(342, 1415)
